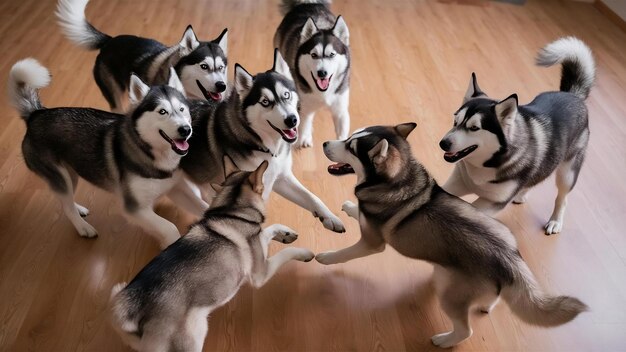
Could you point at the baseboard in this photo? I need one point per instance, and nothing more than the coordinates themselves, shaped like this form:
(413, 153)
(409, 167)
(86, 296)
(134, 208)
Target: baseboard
(615, 18)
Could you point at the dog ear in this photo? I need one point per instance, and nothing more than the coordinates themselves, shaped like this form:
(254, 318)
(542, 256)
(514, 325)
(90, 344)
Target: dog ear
(222, 41)
(506, 111)
(280, 65)
(378, 153)
(340, 30)
(256, 178)
(175, 82)
(308, 30)
(189, 40)
(243, 80)
(217, 187)
(404, 129)
(137, 90)
(229, 166)
(473, 91)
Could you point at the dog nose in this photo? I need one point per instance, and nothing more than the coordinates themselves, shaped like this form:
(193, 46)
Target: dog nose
(291, 121)
(325, 144)
(321, 73)
(220, 86)
(184, 131)
(445, 144)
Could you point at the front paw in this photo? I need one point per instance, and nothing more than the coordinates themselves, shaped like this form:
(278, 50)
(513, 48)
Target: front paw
(326, 258)
(351, 209)
(284, 234)
(331, 222)
(553, 227)
(305, 141)
(303, 255)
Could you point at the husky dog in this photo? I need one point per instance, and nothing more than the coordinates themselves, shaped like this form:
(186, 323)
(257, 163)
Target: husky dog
(316, 47)
(165, 307)
(258, 121)
(135, 156)
(201, 66)
(502, 149)
(476, 258)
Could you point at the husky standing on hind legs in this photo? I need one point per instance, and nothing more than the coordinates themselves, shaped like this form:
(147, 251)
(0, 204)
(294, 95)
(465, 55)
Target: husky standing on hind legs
(201, 66)
(502, 149)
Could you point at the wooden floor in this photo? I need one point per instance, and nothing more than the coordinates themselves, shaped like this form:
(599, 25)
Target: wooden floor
(411, 62)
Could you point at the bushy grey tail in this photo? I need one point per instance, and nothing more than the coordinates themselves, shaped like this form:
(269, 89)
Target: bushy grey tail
(288, 5)
(27, 76)
(71, 15)
(579, 68)
(533, 306)
(122, 324)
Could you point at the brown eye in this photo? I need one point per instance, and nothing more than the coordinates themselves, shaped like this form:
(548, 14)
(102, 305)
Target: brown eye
(314, 55)
(204, 66)
(474, 128)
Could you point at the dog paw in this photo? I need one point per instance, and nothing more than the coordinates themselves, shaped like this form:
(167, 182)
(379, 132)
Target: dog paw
(305, 141)
(448, 339)
(284, 234)
(351, 209)
(81, 210)
(331, 222)
(553, 227)
(86, 230)
(303, 255)
(520, 199)
(326, 258)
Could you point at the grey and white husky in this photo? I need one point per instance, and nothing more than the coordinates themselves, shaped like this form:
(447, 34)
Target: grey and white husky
(201, 66)
(165, 307)
(502, 149)
(135, 156)
(258, 121)
(316, 47)
(475, 256)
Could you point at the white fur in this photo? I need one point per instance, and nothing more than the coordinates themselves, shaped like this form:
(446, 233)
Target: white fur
(216, 72)
(26, 74)
(569, 48)
(71, 18)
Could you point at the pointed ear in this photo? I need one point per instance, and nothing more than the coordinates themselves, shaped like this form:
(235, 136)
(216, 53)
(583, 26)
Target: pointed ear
(473, 91)
(216, 187)
(243, 80)
(280, 65)
(256, 178)
(175, 82)
(506, 110)
(229, 166)
(222, 41)
(340, 30)
(308, 30)
(137, 90)
(378, 153)
(404, 129)
(189, 39)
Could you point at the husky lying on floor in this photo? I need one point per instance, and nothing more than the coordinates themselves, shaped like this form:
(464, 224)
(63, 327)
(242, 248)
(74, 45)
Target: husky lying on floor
(135, 156)
(201, 66)
(476, 258)
(165, 307)
(502, 149)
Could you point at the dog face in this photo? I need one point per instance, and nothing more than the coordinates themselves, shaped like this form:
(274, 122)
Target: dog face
(270, 101)
(161, 115)
(203, 71)
(481, 128)
(240, 189)
(323, 54)
(375, 153)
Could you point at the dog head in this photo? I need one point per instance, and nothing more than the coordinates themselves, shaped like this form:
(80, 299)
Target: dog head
(240, 189)
(323, 53)
(481, 129)
(161, 114)
(375, 153)
(269, 101)
(203, 71)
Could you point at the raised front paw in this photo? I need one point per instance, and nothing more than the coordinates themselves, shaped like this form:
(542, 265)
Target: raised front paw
(303, 254)
(331, 222)
(284, 234)
(351, 209)
(326, 258)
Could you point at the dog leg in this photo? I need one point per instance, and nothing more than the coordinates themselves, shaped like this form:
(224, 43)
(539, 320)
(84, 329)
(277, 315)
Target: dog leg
(520, 197)
(358, 250)
(162, 230)
(278, 233)
(341, 116)
(455, 184)
(488, 304)
(305, 140)
(455, 298)
(288, 186)
(351, 209)
(187, 195)
(71, 209)
(81, 209)
(566, 175)
(190, 337)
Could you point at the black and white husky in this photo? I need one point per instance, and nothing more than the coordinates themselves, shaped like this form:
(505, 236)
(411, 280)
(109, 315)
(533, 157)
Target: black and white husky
(165, 307)
(135, 156)
(201, 66)
(258, 121)
(475, 256)
(502, 149)
(316, 47)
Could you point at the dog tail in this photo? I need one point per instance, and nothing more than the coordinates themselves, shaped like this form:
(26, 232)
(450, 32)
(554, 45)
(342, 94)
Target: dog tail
(71, 15)
(27, 76)
(533, 306)
(288, 5)
(579, 67)
(119, 308)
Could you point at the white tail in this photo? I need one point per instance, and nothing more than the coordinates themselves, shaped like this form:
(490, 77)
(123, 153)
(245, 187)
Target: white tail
(71, 15)
(27, 76)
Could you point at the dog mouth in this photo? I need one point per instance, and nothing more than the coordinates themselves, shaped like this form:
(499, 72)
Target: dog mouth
(340, 169)
(454, 157)
(322, 83)
(289, 136)
(208, 95)
(179, 146)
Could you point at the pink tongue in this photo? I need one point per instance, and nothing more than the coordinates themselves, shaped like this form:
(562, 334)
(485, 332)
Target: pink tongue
(323, 83)
(215, 96)
(291, 134)
(181, 144)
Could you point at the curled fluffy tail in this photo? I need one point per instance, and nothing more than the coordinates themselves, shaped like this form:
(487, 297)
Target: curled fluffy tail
(25, 78)
(125, 327)
(533, 306)
(288, 5)
(579, 68)
(71, 14)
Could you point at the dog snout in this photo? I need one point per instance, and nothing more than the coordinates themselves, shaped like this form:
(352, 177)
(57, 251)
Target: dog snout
(291, 121)
(220, 86)
(184, 131)
(445, 144)
(321, 73)
(325, 144)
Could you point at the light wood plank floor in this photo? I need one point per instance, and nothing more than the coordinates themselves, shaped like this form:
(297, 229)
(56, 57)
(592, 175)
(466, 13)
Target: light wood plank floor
(411, 62)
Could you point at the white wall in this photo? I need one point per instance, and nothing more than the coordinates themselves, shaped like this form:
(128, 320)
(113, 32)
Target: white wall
(618, 6)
